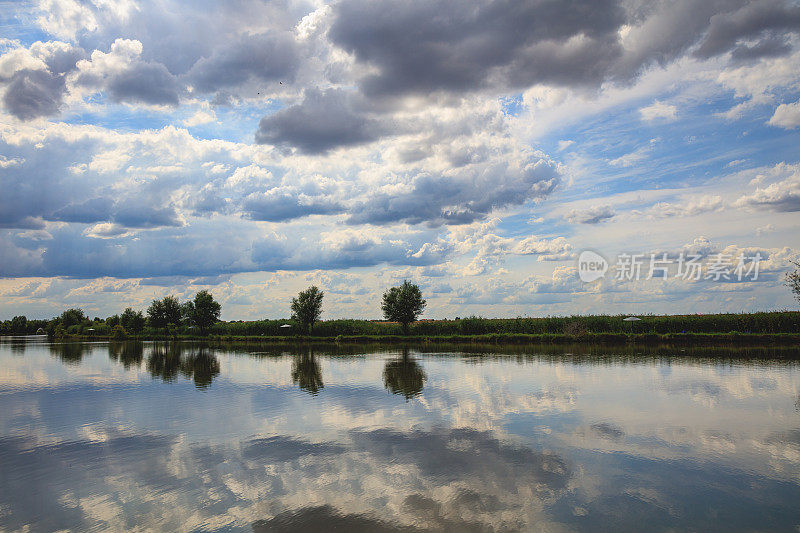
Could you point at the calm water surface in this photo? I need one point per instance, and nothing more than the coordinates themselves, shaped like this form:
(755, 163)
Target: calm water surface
(181, 437)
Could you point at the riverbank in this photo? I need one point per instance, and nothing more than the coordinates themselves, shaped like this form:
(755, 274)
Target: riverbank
(783, 339)
(770, 327)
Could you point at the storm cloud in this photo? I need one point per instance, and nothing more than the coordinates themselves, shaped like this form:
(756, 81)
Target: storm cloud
(34, 93)
(423, 46)
(322, 121)
(263, 57)
(145, 83)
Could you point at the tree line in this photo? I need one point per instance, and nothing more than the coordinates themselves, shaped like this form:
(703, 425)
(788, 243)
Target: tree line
(402, 304)
(401, 307)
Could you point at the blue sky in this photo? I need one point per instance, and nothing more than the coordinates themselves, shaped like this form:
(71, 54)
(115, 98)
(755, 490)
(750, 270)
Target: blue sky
(477, 148)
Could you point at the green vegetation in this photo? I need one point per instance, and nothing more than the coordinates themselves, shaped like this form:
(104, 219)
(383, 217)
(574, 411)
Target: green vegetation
(203, 312)
(403, 304)
(307, 307)
(569, 326)
(20, 325)
(118, 333)
(165, 317)
(793, 280)
(164, 313)
(132, 321)
(547, 329)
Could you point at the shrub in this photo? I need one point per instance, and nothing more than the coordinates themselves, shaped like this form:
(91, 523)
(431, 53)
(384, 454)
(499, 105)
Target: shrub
(118, 332)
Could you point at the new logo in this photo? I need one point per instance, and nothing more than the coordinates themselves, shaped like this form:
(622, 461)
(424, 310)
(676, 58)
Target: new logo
(591, 266)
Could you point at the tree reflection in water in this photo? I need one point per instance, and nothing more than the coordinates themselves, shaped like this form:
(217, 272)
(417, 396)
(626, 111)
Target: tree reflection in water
(129, 353)
(325, 518)
(306, 372)
(17, 345)
(168, 360)
(69, 352)
(404, 376)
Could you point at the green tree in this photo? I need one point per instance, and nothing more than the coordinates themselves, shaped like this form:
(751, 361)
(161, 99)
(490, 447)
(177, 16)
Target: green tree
(187, 313)
(72, 317)
(112, 321)
(205, 311)
(118, 332)
(793, 280)
(162, 313)
(403, 304)
(172, 310)
(155, 315)
(132, 321)
(307, 307)
(19, 325)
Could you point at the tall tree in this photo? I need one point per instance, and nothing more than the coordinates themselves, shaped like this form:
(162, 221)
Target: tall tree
(403, 304)
(155, 315)
(162, 313)
(19, 325)
(172, 310)
(132, 321)
(307, 307)
(71, 317)
(205, 311)
(187, 313)
(793, 280)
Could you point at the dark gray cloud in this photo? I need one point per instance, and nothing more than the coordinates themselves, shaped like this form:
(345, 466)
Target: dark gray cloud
(200, 250)
(92, 210)
(167, 252)
(62, 59)
(322, 121)
(269, 57)
(427, 46)
(45, 187)
(757, 19)
(467, 195)
(424, 47)
(145, 83)
(172, 281)
(138, 213)
(276, 206)
(222, 99)
(769, 46)
(40, 92)
(455, 48)
(34, 93)
(43, 183)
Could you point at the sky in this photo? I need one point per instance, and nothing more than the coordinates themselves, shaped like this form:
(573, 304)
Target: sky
(476, 148)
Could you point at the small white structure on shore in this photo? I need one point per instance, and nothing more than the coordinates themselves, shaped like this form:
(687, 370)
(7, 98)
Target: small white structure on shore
(631, 319)
(285, 326)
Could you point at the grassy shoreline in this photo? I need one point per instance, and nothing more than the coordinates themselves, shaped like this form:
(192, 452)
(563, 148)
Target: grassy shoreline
(774, 327)
(491, 338)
